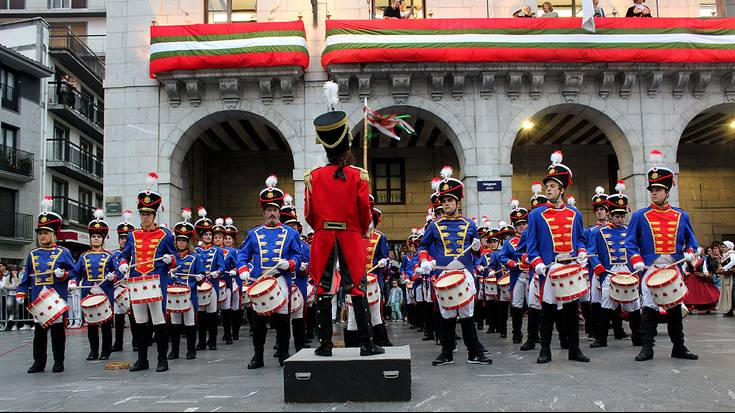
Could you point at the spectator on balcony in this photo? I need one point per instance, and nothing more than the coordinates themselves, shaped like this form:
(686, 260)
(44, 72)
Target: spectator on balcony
(549, 10)
(67, 86)
(397, 10)
(525, 11)
(638, 9)
(599, 11)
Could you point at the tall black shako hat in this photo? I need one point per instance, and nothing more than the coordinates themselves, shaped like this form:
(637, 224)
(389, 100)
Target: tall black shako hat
(332, 129)
(518, 215)
(599, 200)
(98, 225)
(558, 172)
(449, 186)
(149, 200)
(48, 220)
(659, 177)
(618, 203)
(124, 228)
(203, 224)
(184, 229)
(271, 195)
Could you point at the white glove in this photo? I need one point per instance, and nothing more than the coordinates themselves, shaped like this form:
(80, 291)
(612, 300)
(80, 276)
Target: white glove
(480, 269)
(232, 273)
(476, 244)
(214, 274)
(426, 267)
(123, 268)
(110, 276)
(20, 300)
(690, 257)
(199, 277)
(72, 286)
(582, 256)
(244, 276)
(167, 258)
(420, 271)
(491, 273)
(582, 262)
(639, 266)
(283, 265)
(303, 267)
(383, 263)
(540, 268)
(59, 273)
(96, 290)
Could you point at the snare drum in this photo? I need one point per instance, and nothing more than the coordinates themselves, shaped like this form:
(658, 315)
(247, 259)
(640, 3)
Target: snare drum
(569, 282)
(267, 296)
(491, 286)
(96, 309)
(453, 289)
(311, 294)
(178, 299)
(373, 290)
(246, 301)
(122, 299)
(145, 289)
(504, 287)
(204, 294)
(297, 299)
(222, 291)
(624, 288)
(667, 287)
(48, 307)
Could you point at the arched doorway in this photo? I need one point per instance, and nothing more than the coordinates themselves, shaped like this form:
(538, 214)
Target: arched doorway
(226, 165)
(705, 156)
(592, 145)
(401, 171)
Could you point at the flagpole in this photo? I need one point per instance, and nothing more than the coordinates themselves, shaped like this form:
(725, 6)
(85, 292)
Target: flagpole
(365, 137)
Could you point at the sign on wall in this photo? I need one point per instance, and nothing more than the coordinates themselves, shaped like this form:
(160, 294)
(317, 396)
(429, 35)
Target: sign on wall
(489, 186)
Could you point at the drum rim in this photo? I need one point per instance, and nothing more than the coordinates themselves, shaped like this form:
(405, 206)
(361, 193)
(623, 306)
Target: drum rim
(464, 303)
(285, 300)
(259, 281)
(573, 296)
(505, 277)
(42, 297)
(81, 303)
(634, 280)
(667, 282)
(143, 278)
(211, 287)
(553, 272)
(184, 290)
(447, 275)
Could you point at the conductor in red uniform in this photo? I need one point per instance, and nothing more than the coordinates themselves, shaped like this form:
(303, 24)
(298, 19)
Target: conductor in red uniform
(337, 207)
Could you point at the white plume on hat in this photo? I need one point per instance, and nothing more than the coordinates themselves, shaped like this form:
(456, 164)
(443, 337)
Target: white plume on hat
(271, 181)
(446, 172)
(435, 184)
(202, 212)
(128, 213)
(288, 200)
(557, 157)
(331, 93)
(186, 214)
(514, 204)
(47, 203)
(599, 190)
(571, 201)
(502, 224)
(536, 188)
(229, 221)
(151, 180)
(99, 213)
(620, 187)
(656, 157)
(219, 222)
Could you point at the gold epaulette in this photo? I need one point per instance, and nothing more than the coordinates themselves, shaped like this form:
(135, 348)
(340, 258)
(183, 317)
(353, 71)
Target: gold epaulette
(307, 177)
(363, 173)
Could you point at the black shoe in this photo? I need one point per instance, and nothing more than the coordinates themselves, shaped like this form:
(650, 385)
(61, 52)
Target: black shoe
(228, 342)
(256, 362)
(517, 339)
(427, 338)
(528, 345)
(104, 356)
(324, 351)
(621, 335)
(139, 365)
(544, 356)
(162, 366)
(683, 353)
(202, 347)
(577, 355)
(443, 359)
(213, 347)
(116, 349)
(36, 368)
(564, 345)
(173, 356)
(599, 344)
(371, 349)
(93, 356)
(645, 354)
(729, 314)
(191, 356)
(503, 335)
(58, 367)
(479, 359)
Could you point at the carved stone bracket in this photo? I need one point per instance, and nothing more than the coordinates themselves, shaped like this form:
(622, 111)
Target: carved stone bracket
(343, 81)
(400, 87)
(437, 85)
(607, 83)
(537, 85)
(679, 83)
(728, 86)
(229, 89)
(625, 84)
(654, 79)
(488, 85)
(265, 84)
(194, 91)
(571, 85)
(458, 86)
(363, 85)
(513, 82)
(173, 91)
(287, 89)
(700, 81)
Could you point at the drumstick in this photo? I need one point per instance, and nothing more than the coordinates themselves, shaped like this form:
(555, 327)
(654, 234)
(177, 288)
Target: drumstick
(145, 262)
(573, 258)
(617, 273)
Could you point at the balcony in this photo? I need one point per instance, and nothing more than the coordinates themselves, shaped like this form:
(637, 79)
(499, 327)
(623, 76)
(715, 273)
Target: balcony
(73, 161)
(73, 211)
(76, 56)
(77, 109)
(16, 228)
(16, 164)
(9, 97)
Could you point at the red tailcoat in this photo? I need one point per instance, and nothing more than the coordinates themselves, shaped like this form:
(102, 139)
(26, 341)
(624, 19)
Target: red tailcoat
(339, 212)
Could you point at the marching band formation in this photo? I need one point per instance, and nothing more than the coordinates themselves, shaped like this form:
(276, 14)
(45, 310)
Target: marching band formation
(545, 263)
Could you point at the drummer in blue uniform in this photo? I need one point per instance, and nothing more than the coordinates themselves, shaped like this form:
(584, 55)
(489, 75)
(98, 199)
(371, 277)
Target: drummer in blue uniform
(518, 270)
(236, 300)
(289, 216)
(214, 264)
(190, 273)
(123, 229)
(444, 241)
(556, 232)
(487, 267)
(47, 266)
(95, 273)
(229, 273)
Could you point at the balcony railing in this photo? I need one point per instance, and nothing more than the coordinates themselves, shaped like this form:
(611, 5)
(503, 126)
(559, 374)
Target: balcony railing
(9, 97)
(64, 93)
(16, 161)
(73, 210)
(64, 39)
(17, 226)
(61, 150)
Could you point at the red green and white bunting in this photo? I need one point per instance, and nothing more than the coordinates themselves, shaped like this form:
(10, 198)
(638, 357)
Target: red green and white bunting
(529, 40)
(225, 46)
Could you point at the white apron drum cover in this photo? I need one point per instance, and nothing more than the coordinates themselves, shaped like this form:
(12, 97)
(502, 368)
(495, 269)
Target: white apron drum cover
(122, 299)
(504, 287)
(145, 289)
(453, 289)
(222, 291)
(569, 282)
(96, 309)
(48, 307)
(178, 299)
(297, 299)
(373, 289)
(267, 296)
(624, 288)
(311, 294)
(667, 287)
(204, 294)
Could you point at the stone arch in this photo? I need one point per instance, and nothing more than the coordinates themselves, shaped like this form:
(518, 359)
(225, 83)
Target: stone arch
(683, 119)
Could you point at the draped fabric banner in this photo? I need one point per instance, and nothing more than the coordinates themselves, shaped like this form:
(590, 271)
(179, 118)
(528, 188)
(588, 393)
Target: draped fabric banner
(225, 46)
(529, 40)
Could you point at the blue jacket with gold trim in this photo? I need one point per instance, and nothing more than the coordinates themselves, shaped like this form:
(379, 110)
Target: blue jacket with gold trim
(213, 259)
(190, 265)
(607, 247)
(265, 246)
(654, 231)
(445, 238)
(91, 269)
(40, 264)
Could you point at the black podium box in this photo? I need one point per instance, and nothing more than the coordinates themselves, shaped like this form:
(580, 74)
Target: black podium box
(346, 376)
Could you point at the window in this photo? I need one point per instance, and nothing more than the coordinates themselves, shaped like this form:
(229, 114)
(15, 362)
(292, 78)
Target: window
(85, 198)
(12, 4)
(8, 146)
(10, 92)
(230, 11)
(85, 155)
(389, 181)
(418, 7)
(707, 8)
(9, 138)
(59, 4)
(60, 142)
(60, 194)
(7, 212)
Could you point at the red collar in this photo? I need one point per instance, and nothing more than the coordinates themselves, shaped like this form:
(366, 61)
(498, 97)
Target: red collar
(664, 207)
(185, 253)
(278, 224)
(552, 206)
(206, 246)
(155, 228)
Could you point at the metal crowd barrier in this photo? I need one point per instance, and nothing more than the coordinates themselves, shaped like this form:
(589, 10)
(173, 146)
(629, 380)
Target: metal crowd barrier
(13, 314)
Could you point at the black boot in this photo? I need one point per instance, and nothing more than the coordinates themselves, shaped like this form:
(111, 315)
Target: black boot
(364, 330)
(428, 317)
(571, 322)
(324, 325)
(260, 330)
(236, 324)
(175, 331)
(162, 347)
(40, 344)
(516, 315)
(590, 312)
(202, 320)
(58, 346)
(616, 320)
(534, 317)
(119, 332)
(142, 362)
(213, 321)
(351, 338)
(380, 336)
(283, 335)
(227, 326)
(472, 342)
(446, 336)
(191, 342)
(603, 324)
(93, 336)
(134, 334)
(561, 329)
(106, 330)
(634, 319)
(675, 327)
(503, 319)
(649, 326)
(299, 333)
(546, 329)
